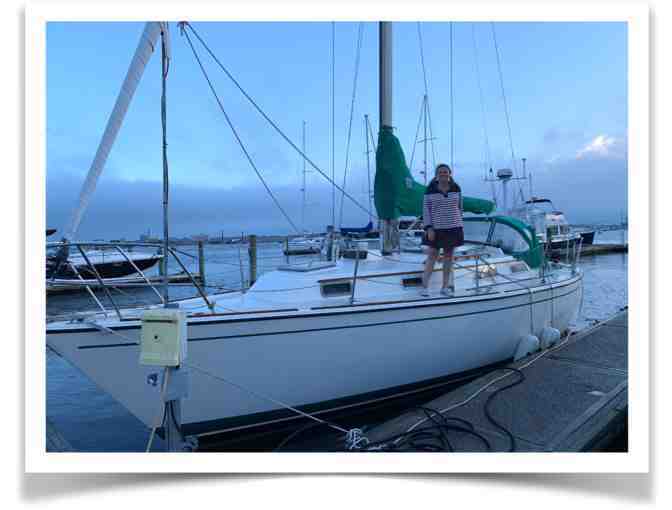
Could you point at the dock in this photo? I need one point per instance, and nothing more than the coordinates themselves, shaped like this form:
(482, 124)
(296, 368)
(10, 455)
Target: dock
(588, 250)
(599, 249)
(573, 398)
(58, 286)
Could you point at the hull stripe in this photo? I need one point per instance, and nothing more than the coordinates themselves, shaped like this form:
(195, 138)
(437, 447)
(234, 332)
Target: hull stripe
(273, 333)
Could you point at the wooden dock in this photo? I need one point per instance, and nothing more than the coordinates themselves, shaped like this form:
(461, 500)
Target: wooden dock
(588, 250)
(599, 249)
(573, 398)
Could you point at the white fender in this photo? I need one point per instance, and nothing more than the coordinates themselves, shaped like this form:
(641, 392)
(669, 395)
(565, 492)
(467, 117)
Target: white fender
(549, 337)
(527, 345)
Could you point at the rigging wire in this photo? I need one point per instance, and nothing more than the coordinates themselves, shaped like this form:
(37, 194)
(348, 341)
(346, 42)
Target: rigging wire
(417, 132)
(373, 139)
(269, 120)
(488, 154)
(235, 134)
(452, 113)
(368, 165)
(506, 106)
(333, 123)
(352, 110)
(427, 109)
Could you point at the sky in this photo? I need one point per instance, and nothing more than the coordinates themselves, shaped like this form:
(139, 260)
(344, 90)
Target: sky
(565, 92)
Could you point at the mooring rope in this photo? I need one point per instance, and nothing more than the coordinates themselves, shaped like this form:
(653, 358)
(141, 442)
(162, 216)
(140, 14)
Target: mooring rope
(267, 398)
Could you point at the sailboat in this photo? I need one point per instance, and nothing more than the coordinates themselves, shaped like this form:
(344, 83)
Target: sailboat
(304, 244)
(326, 337)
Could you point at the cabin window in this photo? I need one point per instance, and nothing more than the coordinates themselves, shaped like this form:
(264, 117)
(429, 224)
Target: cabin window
(412, 281)
(332, 289)
(518, 267)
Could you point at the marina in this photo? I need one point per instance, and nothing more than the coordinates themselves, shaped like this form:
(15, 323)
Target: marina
(90, 420)
(339, 340)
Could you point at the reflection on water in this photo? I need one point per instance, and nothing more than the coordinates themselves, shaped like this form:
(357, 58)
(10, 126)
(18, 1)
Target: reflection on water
(93, 421)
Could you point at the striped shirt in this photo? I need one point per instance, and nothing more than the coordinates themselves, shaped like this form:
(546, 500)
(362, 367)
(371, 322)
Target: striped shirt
(442, 210)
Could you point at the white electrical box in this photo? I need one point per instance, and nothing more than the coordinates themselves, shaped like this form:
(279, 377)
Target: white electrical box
(163, 339)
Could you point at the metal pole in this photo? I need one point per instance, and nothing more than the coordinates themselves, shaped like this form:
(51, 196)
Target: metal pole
(139, 271)
(389, 235)
(424, 115)
(173, 424)
(252, 250)
(88, 288)
(354, 276)
(200, 290)
(201, 263)
(100, 280)
(385, 63)
(164, 72)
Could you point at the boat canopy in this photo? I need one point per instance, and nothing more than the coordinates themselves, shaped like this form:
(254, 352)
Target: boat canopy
(357, 230)
(512, 235)
(396, 193)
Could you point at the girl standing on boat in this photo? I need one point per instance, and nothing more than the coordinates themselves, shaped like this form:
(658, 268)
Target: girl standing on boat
(442, 217)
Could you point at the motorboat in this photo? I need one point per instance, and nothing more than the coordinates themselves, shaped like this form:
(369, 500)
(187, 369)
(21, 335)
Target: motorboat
(303, 246)
(100, 262)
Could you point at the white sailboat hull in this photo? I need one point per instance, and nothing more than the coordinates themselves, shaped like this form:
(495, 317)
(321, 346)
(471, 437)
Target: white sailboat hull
(327, 358)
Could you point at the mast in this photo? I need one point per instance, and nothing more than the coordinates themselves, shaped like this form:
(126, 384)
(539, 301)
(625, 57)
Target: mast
(165, 65)
(389, 227)
(385, 69)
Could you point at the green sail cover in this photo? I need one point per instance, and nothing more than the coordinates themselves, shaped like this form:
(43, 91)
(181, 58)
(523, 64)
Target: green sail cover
(396, 192)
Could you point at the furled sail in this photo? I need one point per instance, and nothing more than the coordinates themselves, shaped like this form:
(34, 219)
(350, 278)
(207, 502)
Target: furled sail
(396, 193)
(140, 58)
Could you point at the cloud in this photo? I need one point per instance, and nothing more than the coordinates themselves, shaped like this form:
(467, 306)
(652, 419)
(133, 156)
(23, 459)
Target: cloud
(600, 146)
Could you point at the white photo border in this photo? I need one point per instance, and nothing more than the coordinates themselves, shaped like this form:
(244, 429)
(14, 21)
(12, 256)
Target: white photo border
(636, 460)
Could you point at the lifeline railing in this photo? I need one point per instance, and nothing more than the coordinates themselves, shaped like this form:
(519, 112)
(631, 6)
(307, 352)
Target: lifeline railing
(106, 285)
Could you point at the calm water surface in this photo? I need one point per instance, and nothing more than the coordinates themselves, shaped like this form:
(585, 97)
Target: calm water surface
(92, 421)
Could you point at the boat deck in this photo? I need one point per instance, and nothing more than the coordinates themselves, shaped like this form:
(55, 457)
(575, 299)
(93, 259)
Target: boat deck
(380, 280)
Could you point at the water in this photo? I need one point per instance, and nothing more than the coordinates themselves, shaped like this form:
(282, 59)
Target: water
(92, 421)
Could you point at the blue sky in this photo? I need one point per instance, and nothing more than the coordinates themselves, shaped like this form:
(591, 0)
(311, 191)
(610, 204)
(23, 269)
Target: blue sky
(565, 85)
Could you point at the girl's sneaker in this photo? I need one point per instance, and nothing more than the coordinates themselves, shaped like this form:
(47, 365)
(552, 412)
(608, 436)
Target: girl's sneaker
(448, 291)
(424, 292)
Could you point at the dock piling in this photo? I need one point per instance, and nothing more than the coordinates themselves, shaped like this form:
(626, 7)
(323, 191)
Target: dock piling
(252, 250)
(201, 263)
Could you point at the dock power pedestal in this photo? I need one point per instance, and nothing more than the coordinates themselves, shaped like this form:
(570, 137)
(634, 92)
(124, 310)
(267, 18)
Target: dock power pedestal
(163, 343)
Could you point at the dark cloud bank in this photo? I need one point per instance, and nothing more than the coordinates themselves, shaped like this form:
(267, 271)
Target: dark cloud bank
(589, 190)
